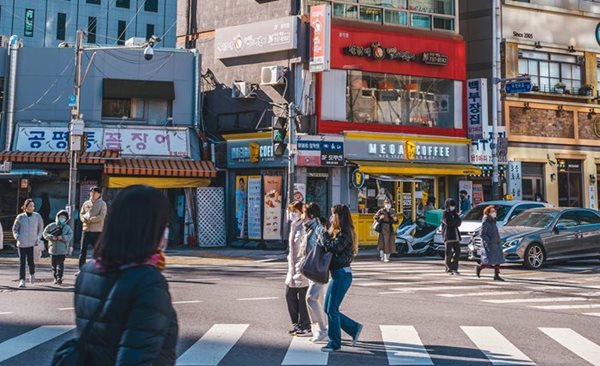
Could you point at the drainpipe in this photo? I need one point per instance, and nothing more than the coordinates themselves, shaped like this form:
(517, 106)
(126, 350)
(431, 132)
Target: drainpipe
(496, 99)
(13, 51)
(205, 148)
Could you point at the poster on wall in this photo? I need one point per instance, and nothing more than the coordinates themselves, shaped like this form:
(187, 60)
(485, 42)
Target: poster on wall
(254, 209)
(477, 193)
(272, 206)
(240, 205)
(477, 109)
(299, 192)
(592, 198)
(466, 185)
(515, 180)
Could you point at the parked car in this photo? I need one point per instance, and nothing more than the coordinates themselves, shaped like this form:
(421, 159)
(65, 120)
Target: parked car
(417, 238)
(540, 235)
(471, 222)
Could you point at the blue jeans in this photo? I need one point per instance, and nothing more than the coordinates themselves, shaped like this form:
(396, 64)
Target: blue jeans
(338, 286)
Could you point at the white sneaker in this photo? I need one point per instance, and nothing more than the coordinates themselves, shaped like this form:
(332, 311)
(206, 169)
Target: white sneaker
(21, 283)
(77, 273)
(320, 336)
(32, 279)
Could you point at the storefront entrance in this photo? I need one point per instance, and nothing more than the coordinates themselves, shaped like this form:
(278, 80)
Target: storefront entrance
(533, 180)
(569, 183)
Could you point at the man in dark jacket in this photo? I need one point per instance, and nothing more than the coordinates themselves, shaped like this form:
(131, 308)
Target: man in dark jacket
(450, 223)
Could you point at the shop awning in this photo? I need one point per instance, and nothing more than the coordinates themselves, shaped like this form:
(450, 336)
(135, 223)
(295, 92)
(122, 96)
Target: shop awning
(158, 182)
(161, 168)
(376, 167)
(58, 157)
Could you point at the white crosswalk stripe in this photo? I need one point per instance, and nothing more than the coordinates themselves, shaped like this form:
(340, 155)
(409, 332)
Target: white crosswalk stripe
(304, 352)
(538, 299)
(31, 339)
(403, 346)
(486, 293)
(213, 346)
(567, 307)
(495, 347)
(575, 343)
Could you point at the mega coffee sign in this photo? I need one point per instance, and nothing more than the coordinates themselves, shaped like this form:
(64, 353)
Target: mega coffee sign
(378, 52)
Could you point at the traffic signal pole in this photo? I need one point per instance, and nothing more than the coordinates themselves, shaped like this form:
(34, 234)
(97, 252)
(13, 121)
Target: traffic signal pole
(292, 147)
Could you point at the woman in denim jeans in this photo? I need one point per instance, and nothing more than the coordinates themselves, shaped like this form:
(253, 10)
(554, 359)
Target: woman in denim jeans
(342, 241)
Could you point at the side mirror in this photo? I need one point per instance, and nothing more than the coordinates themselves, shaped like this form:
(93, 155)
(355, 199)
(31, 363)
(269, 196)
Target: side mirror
(560, 227)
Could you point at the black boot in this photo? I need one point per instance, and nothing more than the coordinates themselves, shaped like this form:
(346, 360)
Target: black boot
(498, 278)
(478, 271)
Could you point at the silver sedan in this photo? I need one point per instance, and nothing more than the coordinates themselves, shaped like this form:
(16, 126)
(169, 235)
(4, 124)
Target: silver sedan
(548, 234)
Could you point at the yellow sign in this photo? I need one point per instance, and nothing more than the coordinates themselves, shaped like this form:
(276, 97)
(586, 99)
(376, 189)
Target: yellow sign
(254, 152)
(411, 150)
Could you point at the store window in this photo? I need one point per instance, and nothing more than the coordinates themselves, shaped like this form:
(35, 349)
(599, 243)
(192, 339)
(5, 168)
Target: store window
(533, 178)
(423, 14)
(403, 100)
(317, 191)
(569, 183)
(152, 111)
(552, 72)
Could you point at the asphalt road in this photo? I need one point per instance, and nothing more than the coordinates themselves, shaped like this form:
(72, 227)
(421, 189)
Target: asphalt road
(232, 312)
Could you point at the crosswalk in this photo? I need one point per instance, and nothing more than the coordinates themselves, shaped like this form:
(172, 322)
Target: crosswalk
(402, 345)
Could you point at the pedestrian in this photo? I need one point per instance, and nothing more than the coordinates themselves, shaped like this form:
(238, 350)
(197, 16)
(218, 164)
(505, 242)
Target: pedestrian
(491, 253)
(341, 240)
(122, 291)
(313, 234)
(430, 204)
(59, 235)
(386, 243)
(451, 222)
(465, 202)
(296, 283)
(538, 197)
(27, 231)
(92, 215)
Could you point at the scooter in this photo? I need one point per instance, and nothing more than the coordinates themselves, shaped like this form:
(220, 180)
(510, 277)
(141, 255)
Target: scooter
(415, 238)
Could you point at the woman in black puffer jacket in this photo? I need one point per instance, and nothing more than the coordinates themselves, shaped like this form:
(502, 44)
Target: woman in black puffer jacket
(137, 324)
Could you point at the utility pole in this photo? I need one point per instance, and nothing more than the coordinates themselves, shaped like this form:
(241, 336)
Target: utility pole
(496, 111)
(292, 147)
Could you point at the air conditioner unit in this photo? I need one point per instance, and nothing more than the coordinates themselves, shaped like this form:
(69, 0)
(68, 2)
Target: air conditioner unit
(3, 40)
(272, 75)
(135, 41)
(242, 89)
(6, 167)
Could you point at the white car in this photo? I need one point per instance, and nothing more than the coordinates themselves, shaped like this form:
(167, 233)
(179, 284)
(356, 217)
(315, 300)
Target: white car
(471, 222)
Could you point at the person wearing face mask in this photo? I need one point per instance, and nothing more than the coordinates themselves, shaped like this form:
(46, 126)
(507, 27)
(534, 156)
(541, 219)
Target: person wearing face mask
(386, 243)
(59, 235)
(27, 231)
(491, 255)
(296, 283)
(451, 221)
(538, 197)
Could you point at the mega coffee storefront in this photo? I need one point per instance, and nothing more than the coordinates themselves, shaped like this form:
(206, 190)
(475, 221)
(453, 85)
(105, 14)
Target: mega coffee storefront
(409, 170)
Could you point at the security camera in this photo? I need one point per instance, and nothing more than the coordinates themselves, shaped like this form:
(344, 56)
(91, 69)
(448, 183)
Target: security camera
(148, 53)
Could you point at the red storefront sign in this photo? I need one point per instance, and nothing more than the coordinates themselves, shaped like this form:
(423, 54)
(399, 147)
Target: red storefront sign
(320, 36)
(413, 54)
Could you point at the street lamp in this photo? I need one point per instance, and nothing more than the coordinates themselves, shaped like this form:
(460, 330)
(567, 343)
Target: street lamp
(77, 124)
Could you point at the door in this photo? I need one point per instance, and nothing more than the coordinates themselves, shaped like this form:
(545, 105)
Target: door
(589, 225)
(559, 244)
(531, 186)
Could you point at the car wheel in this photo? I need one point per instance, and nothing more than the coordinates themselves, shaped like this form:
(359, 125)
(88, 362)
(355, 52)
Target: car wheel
(534, 256)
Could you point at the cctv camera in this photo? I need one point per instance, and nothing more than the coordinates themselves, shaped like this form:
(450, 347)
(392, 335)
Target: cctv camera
(148, 53)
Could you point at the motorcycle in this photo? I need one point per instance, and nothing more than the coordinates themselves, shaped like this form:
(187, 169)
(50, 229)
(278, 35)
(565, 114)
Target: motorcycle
(415, 238)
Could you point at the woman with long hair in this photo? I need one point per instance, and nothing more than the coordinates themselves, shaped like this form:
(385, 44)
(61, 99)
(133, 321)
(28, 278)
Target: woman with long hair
(342, 241)
(27, 231)
(122, 291)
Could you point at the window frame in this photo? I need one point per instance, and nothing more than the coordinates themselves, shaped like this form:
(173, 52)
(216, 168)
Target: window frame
(121, 34)
(62, 31)
(553, 61)
(92, 23)
(151, 6)
(119, 4)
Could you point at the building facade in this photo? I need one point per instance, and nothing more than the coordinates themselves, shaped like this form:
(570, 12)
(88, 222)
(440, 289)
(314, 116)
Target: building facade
(553, 133)
(44, 23)
(141, 119)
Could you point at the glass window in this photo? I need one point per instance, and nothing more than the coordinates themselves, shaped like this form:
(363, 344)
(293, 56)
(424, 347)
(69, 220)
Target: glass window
(151, 5)
(569, 183)
(443, 23)
(61, 24)
(432, 6)
(345, 11)
(569, 219)
(533, 219)
(123, 4)
(91, 33)
(149, 31)
(121, 29)
(116, 108)
(29, 22)
(97, 2)
(401, 100)
(396, 17)
(588, 218)
(420, 21)
(476, 213)
(561, 74)
(370, 14)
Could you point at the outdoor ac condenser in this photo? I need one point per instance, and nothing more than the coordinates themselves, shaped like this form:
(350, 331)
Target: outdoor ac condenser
(272, 75)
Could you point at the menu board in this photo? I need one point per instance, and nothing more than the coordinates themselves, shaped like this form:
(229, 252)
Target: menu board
(254, 207)
(272, 204)
(240, 204)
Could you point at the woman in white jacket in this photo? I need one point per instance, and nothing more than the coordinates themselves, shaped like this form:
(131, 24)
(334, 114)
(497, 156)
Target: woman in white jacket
(296, 283)
(27, 231)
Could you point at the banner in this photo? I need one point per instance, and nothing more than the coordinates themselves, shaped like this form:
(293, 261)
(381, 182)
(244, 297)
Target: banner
(515, 180)
(240, 205)
(272, 206)
(299, 192)
(477, 194)
(254, 208)
(320, 36)
(477, 107)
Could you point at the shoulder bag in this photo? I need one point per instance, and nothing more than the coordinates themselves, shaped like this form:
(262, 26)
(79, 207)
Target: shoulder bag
(317, 262)
(376, 226)
(72, 352)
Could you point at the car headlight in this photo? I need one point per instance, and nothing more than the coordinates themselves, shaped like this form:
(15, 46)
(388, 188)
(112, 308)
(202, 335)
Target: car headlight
(512, 243)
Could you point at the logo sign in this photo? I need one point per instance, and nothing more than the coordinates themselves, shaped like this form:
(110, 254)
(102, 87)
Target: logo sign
(477, 112)
(358, 179)
(377, 52)
(29, 22)
(332, 153)
(72, 101)
(516, 87)
(320, 36)
(320, 151)
(257, 38)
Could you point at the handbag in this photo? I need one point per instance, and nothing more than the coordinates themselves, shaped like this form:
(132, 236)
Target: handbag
(316, 265)
(72, 352)
(376, 226)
